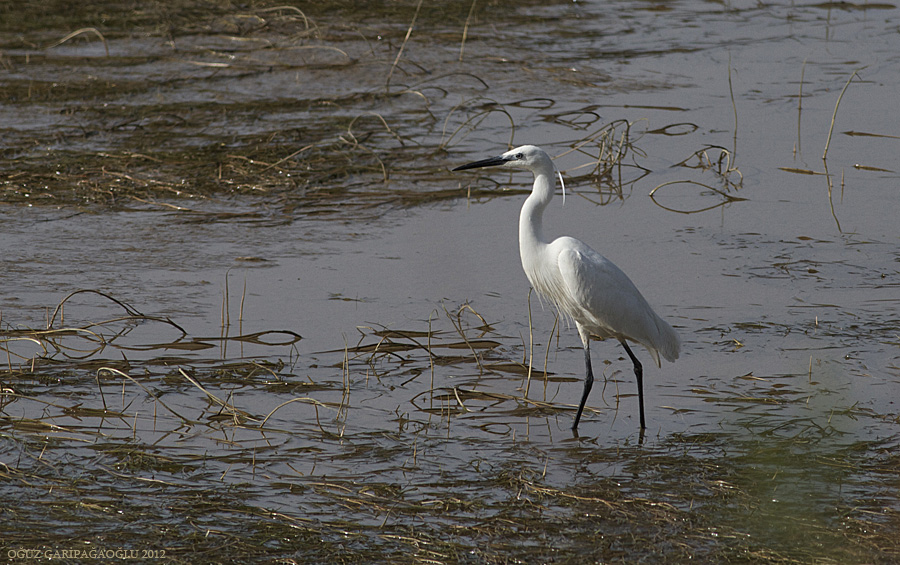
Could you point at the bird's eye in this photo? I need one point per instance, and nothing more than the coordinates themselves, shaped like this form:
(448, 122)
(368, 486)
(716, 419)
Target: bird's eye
(519, 156)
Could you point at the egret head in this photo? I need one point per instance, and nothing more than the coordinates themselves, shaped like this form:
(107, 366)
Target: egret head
(527, 157)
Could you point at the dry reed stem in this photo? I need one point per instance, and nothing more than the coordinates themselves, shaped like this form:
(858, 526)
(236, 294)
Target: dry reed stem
(530, 346)
(468, 307)
(834, 114)
(462, 44)
(798, 151)
(430, 354)
(241, 308)
(608, 163)
(830, 185)
(226, 315)
(458, 399)
(733, 108)
(409, 31)
(458, 327)
(555, 328)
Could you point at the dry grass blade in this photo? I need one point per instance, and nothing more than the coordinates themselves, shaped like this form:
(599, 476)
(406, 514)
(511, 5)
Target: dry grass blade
(287, 9)
(78, 32)
(150, 393)
(227, 406)
(306, 400)
(865, 134)
(727, 198)
(131, 311)
(473, 121)
(292, 338)
(723, 166)
(799, 171)
(39, 342)
(353, 141)
(607, 148)
(346, 55)
(291, 156)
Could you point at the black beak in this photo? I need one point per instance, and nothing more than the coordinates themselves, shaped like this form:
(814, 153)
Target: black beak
(490, 162)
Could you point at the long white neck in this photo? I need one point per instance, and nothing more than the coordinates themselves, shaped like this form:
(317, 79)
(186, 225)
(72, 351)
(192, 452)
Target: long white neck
(531, 233)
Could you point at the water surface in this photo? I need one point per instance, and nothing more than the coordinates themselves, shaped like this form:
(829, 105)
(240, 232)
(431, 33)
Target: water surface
(238, 177)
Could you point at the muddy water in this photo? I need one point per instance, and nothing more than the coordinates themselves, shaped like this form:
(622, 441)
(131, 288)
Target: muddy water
(295, 156)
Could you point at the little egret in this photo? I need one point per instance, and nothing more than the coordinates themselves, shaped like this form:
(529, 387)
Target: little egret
(583, 284)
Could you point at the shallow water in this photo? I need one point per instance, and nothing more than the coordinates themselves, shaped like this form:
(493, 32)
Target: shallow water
(269, 149)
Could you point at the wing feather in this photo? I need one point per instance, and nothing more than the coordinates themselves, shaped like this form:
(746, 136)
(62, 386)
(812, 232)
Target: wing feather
(601, 298)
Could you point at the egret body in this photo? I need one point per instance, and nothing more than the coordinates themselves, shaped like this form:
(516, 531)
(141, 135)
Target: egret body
(583, 284)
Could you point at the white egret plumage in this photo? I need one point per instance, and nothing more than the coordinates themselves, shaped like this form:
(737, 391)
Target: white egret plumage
(583, 284)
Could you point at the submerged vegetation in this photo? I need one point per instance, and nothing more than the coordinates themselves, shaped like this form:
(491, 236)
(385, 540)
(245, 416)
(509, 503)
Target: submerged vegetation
(436, 441)
(169, 448)
(273, 102)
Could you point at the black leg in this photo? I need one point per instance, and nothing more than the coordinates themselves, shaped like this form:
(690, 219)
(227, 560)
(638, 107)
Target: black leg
(639, 374)
(588, 383)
